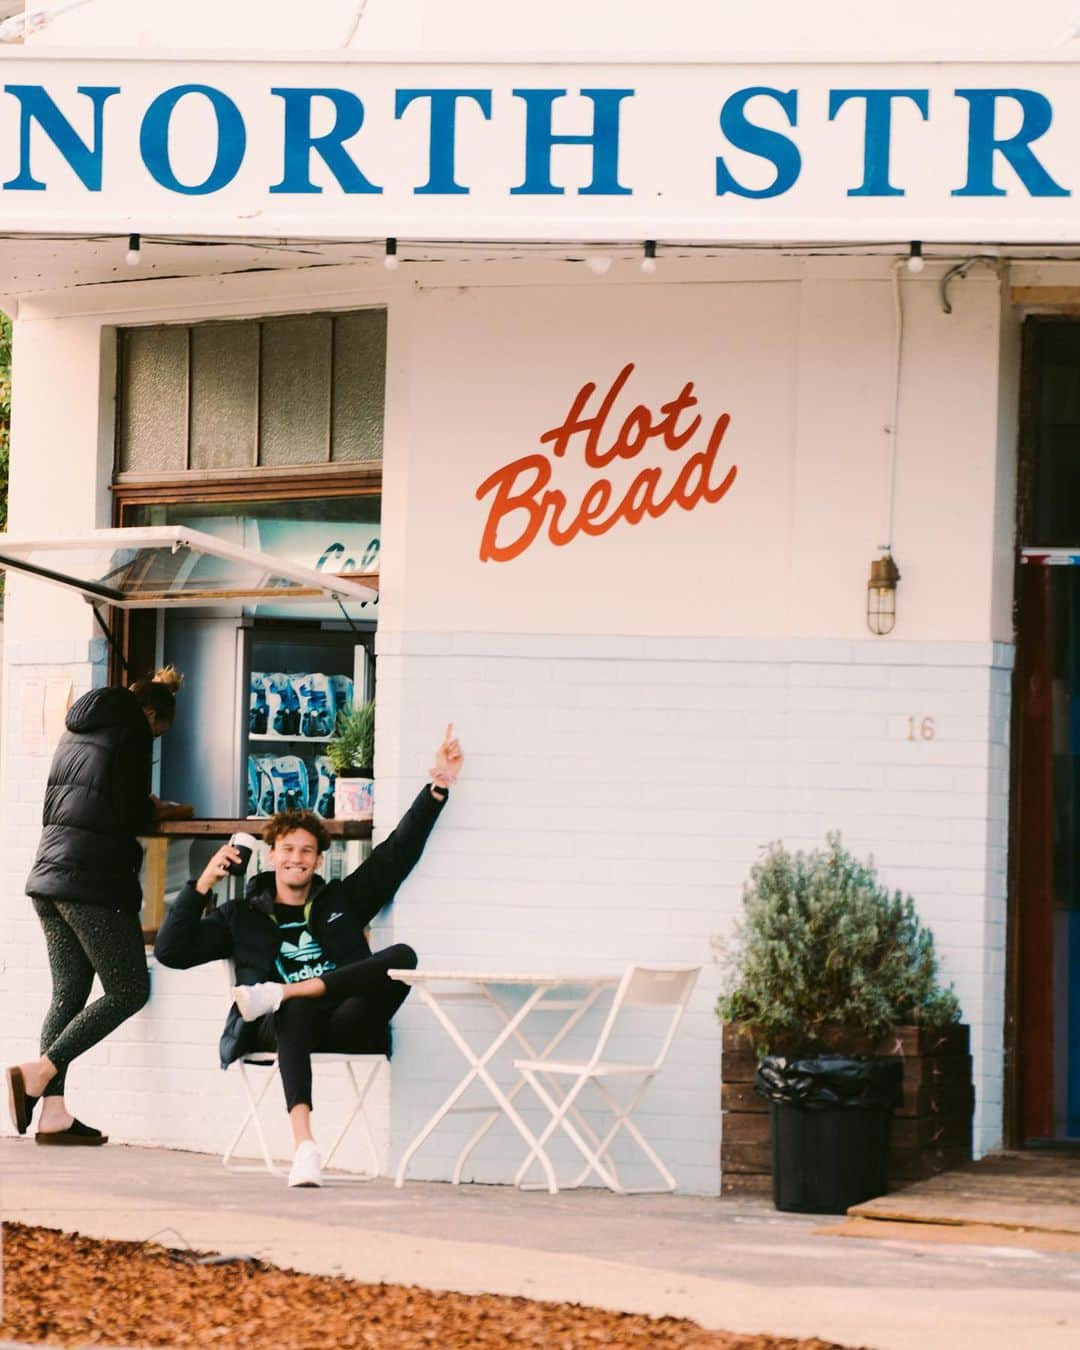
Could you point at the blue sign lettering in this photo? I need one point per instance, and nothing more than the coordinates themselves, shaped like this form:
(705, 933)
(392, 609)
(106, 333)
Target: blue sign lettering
(35, 105)
(441, 181)
(604, 140)
(231, 140)
(760, 128)
(330, 147)
(982, 143)
(782, 152)
(878, 138)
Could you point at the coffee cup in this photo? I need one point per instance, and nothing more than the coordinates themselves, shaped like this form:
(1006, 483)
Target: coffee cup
(245, 846)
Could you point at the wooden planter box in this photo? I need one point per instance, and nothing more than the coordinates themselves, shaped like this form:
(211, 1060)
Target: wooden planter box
(931, 1126)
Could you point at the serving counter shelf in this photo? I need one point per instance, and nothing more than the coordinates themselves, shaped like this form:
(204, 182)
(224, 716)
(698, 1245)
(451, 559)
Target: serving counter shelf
(197, 829)
(156, 871)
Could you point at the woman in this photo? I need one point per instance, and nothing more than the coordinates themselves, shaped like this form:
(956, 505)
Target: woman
(85, 888)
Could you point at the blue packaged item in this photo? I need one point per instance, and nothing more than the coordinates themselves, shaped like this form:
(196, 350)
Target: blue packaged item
(316, 705)
(258, 707)
(290, 779)
(283, 705)
(342, 690)
(323, 790)
(260, 791)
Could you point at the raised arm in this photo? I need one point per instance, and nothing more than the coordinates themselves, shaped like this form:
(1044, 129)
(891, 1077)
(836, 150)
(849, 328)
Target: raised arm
(375, 882)
(188, 937)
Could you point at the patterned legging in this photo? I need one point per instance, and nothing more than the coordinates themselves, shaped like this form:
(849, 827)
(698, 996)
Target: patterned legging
(84, 940)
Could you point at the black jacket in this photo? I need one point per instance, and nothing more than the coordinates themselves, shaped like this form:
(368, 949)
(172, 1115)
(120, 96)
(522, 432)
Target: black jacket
(96, 802)
(244, 931)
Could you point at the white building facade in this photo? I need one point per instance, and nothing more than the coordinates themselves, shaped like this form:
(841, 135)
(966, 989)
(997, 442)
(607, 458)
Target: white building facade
(627, 515)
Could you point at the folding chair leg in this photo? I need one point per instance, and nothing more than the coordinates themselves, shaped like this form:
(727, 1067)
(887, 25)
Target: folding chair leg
(252, 1118)
(559, 1112)
(623, 1122)
(360, 1092)
(582, 1124)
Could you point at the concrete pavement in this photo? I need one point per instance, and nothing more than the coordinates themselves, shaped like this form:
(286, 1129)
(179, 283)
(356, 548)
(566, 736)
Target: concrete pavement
(735, 1265)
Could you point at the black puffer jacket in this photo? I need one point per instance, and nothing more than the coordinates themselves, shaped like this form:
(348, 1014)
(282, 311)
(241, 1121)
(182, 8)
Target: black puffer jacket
(97, 801)
(244, 931)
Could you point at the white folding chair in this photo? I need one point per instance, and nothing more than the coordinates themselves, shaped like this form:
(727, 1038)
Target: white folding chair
(361, 1072)
(660, 990)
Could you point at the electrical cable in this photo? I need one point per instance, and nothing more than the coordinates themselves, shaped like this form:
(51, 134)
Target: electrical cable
(894, 425)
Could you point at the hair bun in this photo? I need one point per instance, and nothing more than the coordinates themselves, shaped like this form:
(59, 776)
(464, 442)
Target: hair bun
(169, 676)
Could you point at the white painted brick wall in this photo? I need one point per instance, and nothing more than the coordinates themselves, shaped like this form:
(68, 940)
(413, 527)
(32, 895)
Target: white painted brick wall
(617, 792)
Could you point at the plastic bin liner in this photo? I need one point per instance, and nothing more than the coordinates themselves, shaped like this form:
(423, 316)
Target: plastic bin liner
(829, 1081)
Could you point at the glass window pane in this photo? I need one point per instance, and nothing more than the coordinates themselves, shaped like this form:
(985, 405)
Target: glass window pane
(359, 385)
(224, 394)
(295, 391)
(154, 406)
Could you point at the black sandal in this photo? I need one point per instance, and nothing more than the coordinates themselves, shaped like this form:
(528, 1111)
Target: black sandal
(20, 1103)
(77, 1134)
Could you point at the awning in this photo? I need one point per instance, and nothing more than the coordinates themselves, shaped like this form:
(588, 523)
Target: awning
(170, 566)
(339, 148)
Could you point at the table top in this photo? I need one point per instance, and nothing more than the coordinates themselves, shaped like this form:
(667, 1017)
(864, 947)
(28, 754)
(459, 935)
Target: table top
(547, 977)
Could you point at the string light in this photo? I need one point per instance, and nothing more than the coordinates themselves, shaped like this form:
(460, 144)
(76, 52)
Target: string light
(133, 256)
(391, 261)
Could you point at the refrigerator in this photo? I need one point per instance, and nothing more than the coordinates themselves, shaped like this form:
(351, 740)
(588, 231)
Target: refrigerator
(257, 711)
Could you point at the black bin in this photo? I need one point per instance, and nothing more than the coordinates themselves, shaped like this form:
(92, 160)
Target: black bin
(831, 1120)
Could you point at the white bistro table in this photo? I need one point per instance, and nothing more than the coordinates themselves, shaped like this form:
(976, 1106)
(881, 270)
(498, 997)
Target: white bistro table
(569, 994)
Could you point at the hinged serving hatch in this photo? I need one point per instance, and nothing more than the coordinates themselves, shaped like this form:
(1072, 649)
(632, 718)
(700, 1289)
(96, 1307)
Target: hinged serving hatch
(171, 566)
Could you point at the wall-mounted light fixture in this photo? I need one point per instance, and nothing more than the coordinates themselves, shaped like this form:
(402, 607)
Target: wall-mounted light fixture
(881, 595)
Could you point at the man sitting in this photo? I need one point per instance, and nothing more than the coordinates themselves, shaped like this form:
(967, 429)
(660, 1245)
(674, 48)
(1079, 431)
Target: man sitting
(307, 978)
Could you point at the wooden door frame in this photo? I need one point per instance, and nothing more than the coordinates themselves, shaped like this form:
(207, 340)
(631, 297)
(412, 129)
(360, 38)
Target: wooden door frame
(1014, 1067)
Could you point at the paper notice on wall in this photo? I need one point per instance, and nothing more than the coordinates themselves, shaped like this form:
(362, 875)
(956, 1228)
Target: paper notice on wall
(31, 723)
(55, 705)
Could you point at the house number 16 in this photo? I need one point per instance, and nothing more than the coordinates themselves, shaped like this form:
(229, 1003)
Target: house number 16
(921, 729)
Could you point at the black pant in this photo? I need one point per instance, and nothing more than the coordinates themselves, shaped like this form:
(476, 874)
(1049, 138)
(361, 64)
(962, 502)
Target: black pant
(352, 1017)
(84, 940)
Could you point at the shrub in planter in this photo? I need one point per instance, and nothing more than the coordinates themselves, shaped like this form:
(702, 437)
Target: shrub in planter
(826, 959)
(824, 952)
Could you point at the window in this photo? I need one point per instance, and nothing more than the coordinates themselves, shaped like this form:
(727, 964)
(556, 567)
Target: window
(285, 392)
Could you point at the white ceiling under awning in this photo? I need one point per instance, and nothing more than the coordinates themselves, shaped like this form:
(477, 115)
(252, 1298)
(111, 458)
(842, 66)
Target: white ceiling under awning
(42, 266)
(169, 566)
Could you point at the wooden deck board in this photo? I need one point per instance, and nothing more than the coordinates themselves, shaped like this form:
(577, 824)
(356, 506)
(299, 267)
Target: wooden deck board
(1032, 1191)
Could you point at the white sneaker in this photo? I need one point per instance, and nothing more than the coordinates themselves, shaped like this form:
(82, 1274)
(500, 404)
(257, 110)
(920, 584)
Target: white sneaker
(306, 1165)
(255, 1000)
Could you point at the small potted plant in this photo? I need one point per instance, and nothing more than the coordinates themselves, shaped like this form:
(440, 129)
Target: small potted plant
(824, 964)
(351, 753)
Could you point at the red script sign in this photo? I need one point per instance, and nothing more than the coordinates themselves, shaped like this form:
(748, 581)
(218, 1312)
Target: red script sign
(522, 502)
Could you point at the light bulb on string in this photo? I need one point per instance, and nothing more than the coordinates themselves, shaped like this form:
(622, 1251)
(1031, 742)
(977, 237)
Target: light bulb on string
(915, 260)
(648, 262)
(133, 256)
(599, 264)
(391, 261)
